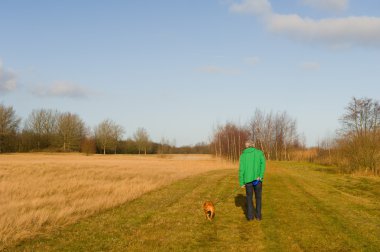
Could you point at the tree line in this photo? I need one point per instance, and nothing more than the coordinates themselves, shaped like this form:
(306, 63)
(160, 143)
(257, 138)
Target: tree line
(356, 145)
(354, 148)
(51, 130)
(275, 134)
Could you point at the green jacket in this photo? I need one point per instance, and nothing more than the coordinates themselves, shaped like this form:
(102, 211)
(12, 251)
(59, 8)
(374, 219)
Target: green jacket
(252, 165)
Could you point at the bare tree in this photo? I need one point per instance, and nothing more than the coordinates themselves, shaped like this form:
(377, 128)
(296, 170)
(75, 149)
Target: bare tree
(103, 134)
(117, 132)
(326, 149)
(228, 141)
(71, 131)
(141, 137)
(108, 134)
(275, 135)
(43, 125)
(362, 117)
(9, 124)
(286, 135)
(164, 146)
(261, 129)
(360, 139)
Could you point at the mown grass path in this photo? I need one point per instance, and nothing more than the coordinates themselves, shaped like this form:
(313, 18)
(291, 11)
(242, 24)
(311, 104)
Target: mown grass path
(305, 208)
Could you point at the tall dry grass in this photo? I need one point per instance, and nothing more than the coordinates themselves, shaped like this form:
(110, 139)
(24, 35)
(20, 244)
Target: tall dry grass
(40, 192)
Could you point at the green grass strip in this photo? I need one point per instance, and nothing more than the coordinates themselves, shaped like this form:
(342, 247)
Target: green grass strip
(304, 209)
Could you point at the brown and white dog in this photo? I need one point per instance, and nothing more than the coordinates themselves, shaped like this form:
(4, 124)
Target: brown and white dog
(209, 209)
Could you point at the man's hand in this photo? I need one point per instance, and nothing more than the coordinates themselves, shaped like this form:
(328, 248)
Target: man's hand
(243, 186)
(258, 178)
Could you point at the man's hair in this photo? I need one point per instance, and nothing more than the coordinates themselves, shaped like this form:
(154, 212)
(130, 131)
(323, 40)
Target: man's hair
(250, 143)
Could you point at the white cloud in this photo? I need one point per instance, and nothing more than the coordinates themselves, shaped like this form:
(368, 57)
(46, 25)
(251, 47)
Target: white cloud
(329, 5)
(257, 7)
(210, 69)
(61, 89)
(362, 31)
(334, 32)
(252, 60)
(8, 80)
(310, 65)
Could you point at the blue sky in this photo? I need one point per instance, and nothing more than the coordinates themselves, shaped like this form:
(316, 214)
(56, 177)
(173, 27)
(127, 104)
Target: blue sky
(179, 68)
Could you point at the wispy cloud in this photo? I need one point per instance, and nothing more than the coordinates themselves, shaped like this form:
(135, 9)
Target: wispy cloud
(257, 7)
(211, 69)
(310, 65)
(8, 79)
(252, 60)
(334, 32)
(328, 5)
(61, 89)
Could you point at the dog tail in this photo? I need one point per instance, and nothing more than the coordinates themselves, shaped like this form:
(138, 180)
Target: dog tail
(210, 215)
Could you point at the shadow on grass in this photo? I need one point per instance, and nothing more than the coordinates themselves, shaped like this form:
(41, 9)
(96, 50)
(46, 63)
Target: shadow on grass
(240, 202)
(329, 170)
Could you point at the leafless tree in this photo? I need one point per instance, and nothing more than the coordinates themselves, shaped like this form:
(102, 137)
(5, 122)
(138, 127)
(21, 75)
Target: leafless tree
(164, 146)
(108, 134)
(360, 138)
(326, 151)
(9, 124)
(286, 135)
(228, 141)
(71, 131)
(103, 134)
(275, 135)
(117, 132)
(262, 133)
(362, 117)
(141, 138)
(43, 125)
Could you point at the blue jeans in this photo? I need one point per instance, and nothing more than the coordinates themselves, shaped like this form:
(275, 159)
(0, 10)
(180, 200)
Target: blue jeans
(249, 189)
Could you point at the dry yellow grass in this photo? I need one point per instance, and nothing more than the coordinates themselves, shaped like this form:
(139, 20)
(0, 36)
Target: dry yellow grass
(40, 192)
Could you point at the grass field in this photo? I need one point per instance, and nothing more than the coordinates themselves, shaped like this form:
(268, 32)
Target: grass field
(40, 192)
(305, 208)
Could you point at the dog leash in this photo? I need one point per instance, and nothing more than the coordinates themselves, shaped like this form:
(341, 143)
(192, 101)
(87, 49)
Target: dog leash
(254, 183)
(217, 201)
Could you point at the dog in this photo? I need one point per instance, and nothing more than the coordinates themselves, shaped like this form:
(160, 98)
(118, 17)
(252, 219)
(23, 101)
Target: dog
(209, 209)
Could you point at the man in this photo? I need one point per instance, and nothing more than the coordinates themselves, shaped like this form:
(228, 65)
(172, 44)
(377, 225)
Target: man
(251, 175)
